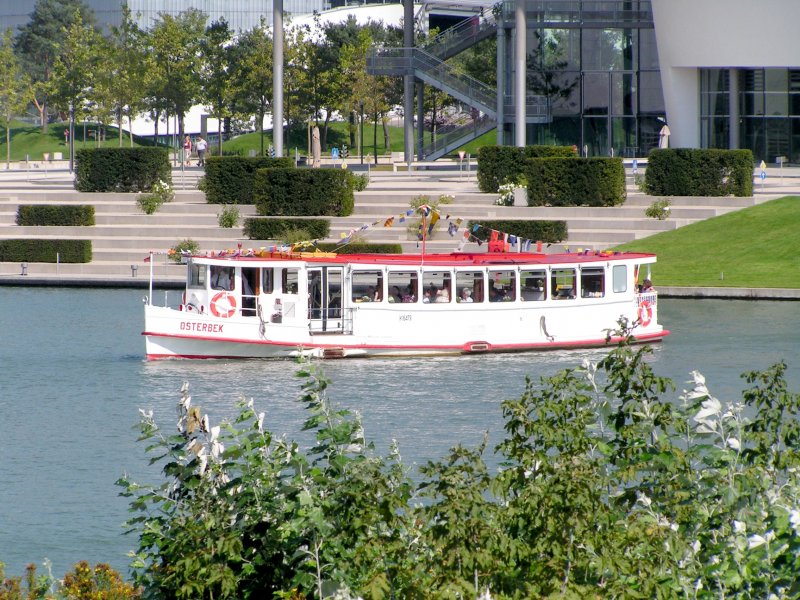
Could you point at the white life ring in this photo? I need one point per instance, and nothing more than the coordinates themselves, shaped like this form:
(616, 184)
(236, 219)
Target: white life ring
(223, 304)
(645, 313)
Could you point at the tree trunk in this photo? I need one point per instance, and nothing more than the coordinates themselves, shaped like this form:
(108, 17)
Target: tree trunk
(323, 139)
(387, 141)
(119, 126)
(375, 137)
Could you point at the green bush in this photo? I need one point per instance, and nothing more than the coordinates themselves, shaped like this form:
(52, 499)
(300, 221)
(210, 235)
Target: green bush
(53, 215)
(229, 179)
(575, 181)
(361, 248)
(46, 251)
(303, 192)
(187, 246)
(121, 169)
(228, 217)
(699, 172)
(537, 231)
(498, 164)
(276, 229)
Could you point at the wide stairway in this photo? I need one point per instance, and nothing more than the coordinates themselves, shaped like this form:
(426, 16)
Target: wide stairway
(123, 236)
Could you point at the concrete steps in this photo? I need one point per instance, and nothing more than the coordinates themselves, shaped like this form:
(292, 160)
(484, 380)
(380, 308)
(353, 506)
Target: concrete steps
(123, 236)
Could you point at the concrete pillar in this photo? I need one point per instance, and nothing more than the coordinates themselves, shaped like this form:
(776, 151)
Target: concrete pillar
(501, 79)
(277, 76)
(520, 70)
(408, 81)
(733, 125)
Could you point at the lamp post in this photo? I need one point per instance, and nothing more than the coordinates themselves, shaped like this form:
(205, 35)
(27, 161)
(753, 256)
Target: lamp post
(71, 136)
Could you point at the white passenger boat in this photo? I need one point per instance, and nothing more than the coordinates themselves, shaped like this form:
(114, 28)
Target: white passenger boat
(262, 304)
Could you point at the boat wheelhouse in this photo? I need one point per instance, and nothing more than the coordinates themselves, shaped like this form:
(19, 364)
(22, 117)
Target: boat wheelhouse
(264, 304)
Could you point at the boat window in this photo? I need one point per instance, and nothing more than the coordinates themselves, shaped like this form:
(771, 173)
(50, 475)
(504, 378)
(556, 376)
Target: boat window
(267, 281)
(562, 283)
(367, 286)
(593, 282)
(502, 285)
(619, 278)
(403, 286)
(289, 281)
(534, 285)
(469, 286)
(197, 275)
(222, 278)
(437, 286)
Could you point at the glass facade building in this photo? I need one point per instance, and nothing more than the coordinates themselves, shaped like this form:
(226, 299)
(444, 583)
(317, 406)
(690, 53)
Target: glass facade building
(596, 62)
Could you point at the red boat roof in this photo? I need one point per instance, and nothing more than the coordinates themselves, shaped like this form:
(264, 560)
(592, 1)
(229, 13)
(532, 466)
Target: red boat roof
(454, 259)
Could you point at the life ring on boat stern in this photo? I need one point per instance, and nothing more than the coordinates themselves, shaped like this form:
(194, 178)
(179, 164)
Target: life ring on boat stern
(223, 304)
(645, 313)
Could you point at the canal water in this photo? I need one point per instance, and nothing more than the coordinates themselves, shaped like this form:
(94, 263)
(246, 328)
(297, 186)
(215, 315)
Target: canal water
(72, 380)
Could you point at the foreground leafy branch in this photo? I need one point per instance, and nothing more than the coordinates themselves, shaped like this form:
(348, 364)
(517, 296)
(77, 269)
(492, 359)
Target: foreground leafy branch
(608, 487)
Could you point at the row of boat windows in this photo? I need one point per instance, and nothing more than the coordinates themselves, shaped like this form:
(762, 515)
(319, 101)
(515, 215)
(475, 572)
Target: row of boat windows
(443, 286)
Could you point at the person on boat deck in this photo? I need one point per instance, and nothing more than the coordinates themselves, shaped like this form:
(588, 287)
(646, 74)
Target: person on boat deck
(222, 278)
(647, 286)
(466, 295)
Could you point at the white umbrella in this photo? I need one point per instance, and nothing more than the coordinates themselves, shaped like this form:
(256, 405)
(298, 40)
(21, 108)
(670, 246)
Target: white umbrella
(663, 137)
(316, 148)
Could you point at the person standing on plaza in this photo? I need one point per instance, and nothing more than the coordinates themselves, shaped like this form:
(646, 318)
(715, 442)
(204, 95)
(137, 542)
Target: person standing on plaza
(201, 145)
(187, 149)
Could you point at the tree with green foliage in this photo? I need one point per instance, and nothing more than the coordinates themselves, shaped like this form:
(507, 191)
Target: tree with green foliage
(74, 81)
(216, 73)
(252, 75)
(129, 66)
(176, 44)
(39, 43)
(15, 88)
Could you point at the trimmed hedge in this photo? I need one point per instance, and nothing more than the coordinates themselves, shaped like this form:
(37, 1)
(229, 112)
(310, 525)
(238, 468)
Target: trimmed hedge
(361, 248)
(51, 215)
(229, 179)
(538, 231)
(497, 164)
(46, 251)
(121, 169)
(275, 229)
(699, 172)
(575, 181)
(303, 192)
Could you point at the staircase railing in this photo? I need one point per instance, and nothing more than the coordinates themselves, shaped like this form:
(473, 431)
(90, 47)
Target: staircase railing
(458, 38)
(456, 136)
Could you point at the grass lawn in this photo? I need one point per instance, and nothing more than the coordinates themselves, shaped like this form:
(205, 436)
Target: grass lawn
(753, 247)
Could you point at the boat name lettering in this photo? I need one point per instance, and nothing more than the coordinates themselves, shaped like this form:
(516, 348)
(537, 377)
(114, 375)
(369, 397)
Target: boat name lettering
(210, 327)
(405, 317)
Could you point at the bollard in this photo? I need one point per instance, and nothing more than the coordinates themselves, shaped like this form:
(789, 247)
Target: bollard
(134, 269)
(23, 268)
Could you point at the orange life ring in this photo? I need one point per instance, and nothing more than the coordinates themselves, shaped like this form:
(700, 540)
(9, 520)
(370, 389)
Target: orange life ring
(223, 304)
(645, 313)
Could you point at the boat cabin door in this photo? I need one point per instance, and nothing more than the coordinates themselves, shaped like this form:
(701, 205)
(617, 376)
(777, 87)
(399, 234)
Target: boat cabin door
(325, 299)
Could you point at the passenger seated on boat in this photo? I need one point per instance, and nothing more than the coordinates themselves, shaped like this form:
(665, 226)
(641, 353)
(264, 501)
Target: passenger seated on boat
(395, 296)
(443, 296)
(647, 286)
(466, 295)
(426, 297)
(409, 295)
(497, 294)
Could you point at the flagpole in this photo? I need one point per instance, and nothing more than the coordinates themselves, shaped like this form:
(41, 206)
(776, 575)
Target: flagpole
(424, 236)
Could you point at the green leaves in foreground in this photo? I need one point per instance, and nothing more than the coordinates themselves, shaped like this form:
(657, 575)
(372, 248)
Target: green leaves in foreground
(608, 487)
